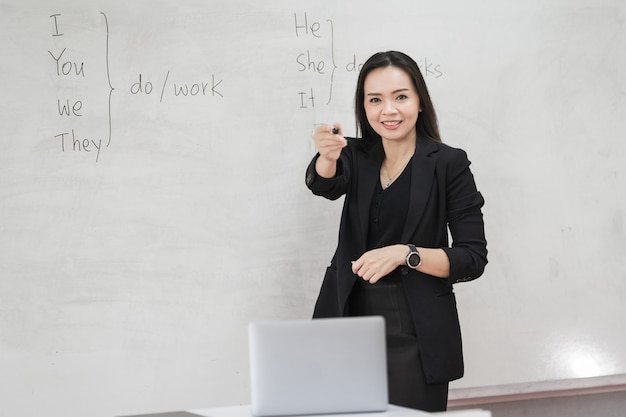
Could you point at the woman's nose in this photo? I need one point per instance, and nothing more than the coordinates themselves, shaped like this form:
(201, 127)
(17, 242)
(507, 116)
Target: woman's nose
(389, 107)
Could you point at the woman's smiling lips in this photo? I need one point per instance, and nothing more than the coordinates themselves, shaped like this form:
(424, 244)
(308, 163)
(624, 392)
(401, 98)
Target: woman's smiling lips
(391, 124)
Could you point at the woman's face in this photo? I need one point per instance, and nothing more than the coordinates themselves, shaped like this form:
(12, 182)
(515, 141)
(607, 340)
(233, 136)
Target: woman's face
(391, 103)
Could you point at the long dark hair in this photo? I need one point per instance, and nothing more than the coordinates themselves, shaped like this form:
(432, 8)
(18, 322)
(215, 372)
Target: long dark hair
(426, 122)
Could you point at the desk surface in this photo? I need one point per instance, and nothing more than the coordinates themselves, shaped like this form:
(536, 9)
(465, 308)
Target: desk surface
(244, 411)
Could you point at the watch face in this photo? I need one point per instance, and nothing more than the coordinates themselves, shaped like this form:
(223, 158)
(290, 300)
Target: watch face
(414, 260)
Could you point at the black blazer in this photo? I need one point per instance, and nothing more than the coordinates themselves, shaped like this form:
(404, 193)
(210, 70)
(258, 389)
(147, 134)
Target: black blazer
(443, 195)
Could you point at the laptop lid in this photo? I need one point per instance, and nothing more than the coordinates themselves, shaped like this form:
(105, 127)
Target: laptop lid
(321, 366)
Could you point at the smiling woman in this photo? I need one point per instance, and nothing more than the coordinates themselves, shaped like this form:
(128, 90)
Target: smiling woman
(403, 189)
(392, 106)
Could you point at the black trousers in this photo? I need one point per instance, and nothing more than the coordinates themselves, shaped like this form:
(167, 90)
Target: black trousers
(406, 380)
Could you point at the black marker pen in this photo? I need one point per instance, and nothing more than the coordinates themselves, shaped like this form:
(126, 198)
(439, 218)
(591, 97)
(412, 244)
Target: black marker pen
(335, 130)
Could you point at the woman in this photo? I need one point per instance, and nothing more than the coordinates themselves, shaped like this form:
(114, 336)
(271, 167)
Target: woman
(404, 189)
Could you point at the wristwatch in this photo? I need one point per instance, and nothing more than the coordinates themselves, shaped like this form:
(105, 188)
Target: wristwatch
(413, 259)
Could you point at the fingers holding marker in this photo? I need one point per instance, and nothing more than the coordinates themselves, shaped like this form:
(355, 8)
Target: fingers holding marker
(328, 141)
(335, 129)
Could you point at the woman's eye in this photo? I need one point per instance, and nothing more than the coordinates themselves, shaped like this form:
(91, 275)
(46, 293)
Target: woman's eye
(401, 97)
(374, 100)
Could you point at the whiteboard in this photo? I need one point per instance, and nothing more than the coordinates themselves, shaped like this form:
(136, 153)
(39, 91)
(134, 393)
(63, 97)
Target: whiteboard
(152, 197)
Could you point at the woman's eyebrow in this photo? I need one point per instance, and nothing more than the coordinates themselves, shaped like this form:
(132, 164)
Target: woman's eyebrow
(393, 92)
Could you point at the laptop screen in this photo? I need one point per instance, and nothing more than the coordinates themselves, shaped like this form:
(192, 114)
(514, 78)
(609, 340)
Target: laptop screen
(320, 366)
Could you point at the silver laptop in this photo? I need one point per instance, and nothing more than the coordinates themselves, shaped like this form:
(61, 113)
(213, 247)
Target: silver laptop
(320, 366)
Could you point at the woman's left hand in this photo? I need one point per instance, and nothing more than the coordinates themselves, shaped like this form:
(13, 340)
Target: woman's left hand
(376, 263)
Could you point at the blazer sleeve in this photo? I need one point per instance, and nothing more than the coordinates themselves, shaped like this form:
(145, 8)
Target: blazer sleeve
(330, 188)
(468, 253)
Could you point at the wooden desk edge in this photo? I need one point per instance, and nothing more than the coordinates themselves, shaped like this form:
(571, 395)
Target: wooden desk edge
(534, 390)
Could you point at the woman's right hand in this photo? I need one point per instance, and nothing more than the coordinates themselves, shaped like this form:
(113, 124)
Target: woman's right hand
(329, 146)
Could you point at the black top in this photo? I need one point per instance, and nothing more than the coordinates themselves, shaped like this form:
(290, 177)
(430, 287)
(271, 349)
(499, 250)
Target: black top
(388, 211)
(387, 216)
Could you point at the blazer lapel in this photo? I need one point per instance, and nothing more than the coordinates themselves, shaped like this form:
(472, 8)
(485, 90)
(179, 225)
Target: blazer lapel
(422, 175)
